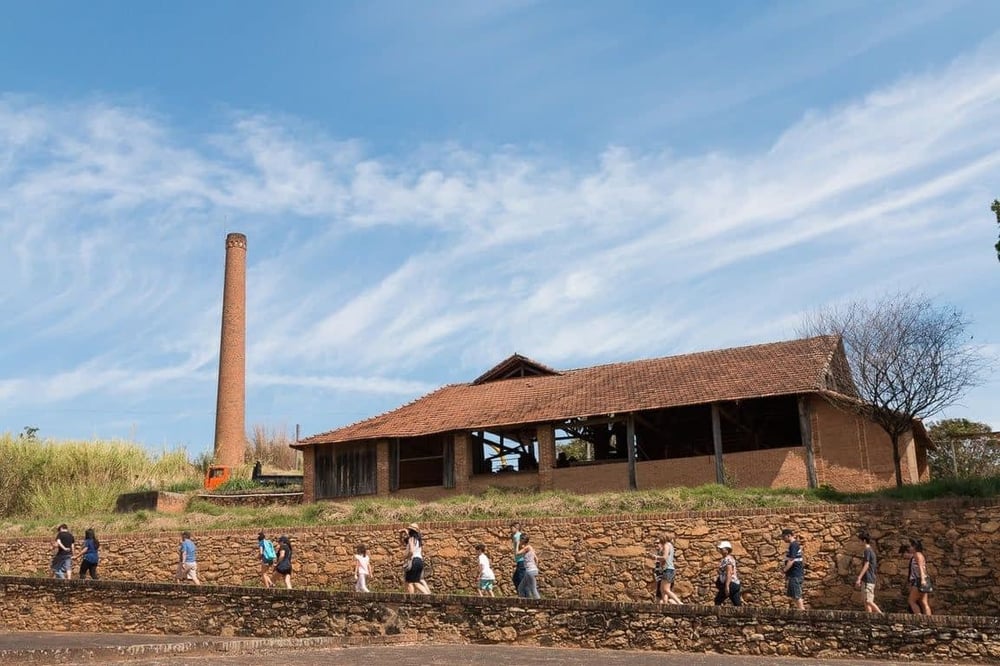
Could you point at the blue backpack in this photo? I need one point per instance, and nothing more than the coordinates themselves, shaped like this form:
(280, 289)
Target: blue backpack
(269, 553)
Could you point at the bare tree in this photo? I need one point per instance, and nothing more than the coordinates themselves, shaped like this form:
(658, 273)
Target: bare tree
(908, 359)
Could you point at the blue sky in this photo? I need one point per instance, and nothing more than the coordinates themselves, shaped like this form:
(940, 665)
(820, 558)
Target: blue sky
(429, 187)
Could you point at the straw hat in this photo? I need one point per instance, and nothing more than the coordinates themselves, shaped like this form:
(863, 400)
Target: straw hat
(414, 527)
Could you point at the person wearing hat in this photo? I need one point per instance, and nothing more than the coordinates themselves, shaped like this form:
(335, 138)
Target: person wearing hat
(728, 580)
(413, 565)
(793, 569)
(284, 561)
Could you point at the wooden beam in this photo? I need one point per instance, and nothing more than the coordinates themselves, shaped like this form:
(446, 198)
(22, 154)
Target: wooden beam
(630, 445)
(805, 429)
(720, 470)
(734, 419)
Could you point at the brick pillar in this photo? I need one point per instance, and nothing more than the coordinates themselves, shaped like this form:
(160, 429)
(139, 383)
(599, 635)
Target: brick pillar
(463, 462)
(230, 415)
(546, 455)
(309, 474)
(382, 467)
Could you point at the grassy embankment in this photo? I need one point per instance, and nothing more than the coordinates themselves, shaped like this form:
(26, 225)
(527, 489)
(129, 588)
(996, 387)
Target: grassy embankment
(43, 483)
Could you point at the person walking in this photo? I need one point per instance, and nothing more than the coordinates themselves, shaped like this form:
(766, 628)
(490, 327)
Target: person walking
(187, 566)
(88, 563)
(920, 582)
(868, 573)
(413, 564)
(487, 578)
(528, 589)
(793, 569)
(666, 568)
(268, 556)
(362, 568)
(62, 553)
(284, 560)
(515, 537)
(728, 580)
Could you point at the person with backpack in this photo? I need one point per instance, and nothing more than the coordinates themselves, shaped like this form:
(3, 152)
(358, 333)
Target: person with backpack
(90, 555)
(267, 558)
(284, 555)
(793, 569)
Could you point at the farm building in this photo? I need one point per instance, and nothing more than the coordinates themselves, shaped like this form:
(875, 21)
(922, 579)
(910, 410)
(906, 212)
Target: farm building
(764, 415)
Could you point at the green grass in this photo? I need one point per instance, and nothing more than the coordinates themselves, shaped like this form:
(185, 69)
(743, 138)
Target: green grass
(50, 479)
(44, 483)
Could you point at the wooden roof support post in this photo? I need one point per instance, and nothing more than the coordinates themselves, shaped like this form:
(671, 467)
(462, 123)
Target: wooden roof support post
(805, 429)
(630, 447)
(720, 470)
(546, 437)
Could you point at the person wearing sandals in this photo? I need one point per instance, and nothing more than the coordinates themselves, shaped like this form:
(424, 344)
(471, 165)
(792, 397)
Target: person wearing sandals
(728, 580)
(920, 582)
(665, 569)
(413, 566)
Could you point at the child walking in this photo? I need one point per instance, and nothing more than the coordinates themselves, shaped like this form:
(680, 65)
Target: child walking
(268, 555)
(362, 568)
(487, 579)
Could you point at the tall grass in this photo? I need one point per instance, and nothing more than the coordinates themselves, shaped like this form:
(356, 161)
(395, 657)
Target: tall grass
(45, 478)
(272, 447)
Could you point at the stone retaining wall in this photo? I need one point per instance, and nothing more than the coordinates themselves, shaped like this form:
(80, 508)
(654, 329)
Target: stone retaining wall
(50, 605)
(607, 558)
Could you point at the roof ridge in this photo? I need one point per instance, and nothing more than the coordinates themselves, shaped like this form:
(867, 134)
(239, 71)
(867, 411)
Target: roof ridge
(702, 352)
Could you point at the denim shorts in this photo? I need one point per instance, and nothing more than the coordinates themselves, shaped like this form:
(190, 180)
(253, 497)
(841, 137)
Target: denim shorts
(794, 588)
(62, 568)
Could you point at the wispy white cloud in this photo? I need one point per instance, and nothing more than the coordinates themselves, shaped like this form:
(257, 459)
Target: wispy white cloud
(389, 275)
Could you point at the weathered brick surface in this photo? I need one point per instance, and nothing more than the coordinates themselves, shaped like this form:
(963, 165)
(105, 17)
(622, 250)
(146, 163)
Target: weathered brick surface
(607, 557)
(230, 410)
(852, 454)
(47, 605)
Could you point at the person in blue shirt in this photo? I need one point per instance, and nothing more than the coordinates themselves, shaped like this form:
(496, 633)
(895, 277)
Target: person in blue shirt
(793, 569)
(515, 537)
(88, 564)
(187, 567)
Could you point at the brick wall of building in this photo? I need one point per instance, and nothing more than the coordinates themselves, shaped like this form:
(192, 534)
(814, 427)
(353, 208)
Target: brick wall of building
(42, 605)
(605, 558)
(852, 454)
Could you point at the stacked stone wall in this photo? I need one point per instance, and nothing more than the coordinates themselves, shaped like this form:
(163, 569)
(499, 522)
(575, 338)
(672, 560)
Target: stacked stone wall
(48, 605)
(606, 558)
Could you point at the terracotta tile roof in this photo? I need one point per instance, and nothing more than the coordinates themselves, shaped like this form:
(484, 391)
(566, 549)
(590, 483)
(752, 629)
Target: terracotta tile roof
(512, 363)
(779, 368)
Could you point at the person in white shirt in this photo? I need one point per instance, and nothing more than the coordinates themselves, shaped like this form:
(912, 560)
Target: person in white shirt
(362, 568)
(487, 579)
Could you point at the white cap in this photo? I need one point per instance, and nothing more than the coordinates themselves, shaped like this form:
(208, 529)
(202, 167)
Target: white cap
(724, 544)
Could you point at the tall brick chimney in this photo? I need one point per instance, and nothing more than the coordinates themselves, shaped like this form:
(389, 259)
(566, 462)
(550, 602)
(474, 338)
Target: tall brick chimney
(230, 409)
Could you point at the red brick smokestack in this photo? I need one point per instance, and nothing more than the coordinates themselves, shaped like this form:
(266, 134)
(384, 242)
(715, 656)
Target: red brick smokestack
(230, 409)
